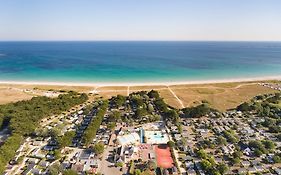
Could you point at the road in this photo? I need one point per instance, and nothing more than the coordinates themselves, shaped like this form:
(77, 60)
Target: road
(107, 165)
(17, 168)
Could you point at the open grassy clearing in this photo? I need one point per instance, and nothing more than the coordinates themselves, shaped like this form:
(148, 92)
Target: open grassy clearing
(169, 98)
(218, 97)
(8, 95)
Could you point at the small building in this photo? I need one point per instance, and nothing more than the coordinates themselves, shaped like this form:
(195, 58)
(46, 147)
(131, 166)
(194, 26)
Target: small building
(28, 169)
(245, 163)
(78, 167)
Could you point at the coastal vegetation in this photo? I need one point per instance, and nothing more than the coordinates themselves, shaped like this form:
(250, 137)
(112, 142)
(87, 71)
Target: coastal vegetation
(22, 118)
(198, 111)
(221, 96)
(90, 132)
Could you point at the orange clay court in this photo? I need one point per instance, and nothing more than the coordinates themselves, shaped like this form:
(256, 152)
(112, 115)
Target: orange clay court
(163, 156)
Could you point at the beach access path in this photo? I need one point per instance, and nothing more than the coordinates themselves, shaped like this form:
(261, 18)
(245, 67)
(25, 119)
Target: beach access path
(174, 94)
(127, 91)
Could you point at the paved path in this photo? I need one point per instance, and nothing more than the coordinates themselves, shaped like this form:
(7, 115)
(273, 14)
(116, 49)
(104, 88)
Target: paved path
(107, 167)
(181, 170)
(30, 148)
(174, 94)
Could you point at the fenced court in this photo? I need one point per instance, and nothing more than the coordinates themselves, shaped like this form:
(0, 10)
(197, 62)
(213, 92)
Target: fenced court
(163, 156)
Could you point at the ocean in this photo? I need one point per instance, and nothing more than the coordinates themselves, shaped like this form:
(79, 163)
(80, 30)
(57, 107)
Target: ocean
(137, 62)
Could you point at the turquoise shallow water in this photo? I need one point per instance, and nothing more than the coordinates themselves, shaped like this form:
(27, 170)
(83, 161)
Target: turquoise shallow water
(102, 62)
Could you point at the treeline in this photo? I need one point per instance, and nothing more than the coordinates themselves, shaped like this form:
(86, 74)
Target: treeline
(8, 150)
(261, 147)
(118, 101)
(144, 104)
(23, 117)
(264, 105)
(90, 132)
(197, 111)
(168, 113)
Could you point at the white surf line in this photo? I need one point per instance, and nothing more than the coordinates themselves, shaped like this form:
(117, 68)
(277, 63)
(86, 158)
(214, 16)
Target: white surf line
(128, 91)
(174, 94)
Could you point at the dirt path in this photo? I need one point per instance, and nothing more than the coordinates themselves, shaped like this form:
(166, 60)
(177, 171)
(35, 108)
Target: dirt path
(95, 91)
(174, 94)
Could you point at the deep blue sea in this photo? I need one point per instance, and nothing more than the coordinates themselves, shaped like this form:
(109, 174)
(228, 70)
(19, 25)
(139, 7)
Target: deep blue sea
(102, 62)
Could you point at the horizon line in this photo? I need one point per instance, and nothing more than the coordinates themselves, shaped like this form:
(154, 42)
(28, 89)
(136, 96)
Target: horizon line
(140, 40)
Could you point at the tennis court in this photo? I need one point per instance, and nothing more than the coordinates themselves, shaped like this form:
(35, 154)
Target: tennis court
(163, 156)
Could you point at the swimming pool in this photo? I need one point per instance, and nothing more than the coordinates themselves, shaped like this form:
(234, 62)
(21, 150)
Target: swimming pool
(156, 137)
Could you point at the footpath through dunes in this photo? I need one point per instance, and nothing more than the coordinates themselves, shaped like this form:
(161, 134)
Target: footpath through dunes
(221, 96)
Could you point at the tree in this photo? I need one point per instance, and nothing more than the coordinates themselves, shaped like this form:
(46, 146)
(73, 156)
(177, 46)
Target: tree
(99, 148)
(120, 100)
(66, 139)
(257, 152)
(197, 111)
(171, 144)
(42, 132)
(276, 158)
(274, 129)
(184, 141)
(137, 172)
(90, 132)
(222, 168)
(235, 160)
(140, 112)
(161, 105)
(151, 165)
(202, 154)
(24, 117)
(119, 164)
(69, 172)
(221, 140)
(111, 125)
(179, 127)
(172, 115)
(230, 136)
(150, 108)
(115, 116)
(237, 154)
(87, 109)
(269, 122)
(268, 144)
(206, 165)
(153, 94)
(55, 169)
(244, 107)
(258, 146)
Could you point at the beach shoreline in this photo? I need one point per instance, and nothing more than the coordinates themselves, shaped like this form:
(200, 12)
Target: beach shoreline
(116, 84)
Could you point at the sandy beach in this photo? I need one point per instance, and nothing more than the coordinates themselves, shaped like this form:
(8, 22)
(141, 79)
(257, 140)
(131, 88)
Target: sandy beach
(167, 83)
